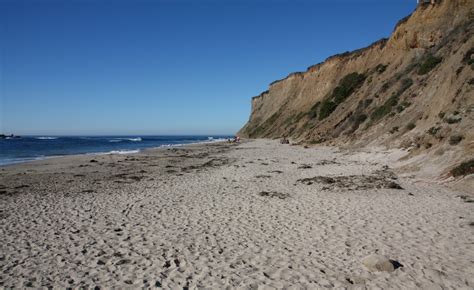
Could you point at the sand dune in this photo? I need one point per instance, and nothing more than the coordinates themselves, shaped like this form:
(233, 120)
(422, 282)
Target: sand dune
(251, 215)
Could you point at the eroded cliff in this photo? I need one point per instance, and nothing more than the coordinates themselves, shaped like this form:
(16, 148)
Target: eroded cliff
(412, 90)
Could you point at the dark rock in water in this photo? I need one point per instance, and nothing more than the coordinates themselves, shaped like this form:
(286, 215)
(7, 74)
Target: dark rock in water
(11, 136)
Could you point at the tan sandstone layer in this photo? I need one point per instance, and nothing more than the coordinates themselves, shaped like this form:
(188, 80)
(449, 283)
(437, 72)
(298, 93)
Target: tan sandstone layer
(414, 90)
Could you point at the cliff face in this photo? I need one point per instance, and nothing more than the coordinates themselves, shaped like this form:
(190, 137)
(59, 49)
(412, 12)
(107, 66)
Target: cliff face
(414, 89)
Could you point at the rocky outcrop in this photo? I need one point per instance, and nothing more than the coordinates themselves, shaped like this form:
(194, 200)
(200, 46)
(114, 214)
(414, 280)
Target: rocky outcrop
(412, 90)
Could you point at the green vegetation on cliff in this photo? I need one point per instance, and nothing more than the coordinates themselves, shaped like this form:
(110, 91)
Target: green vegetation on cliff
(464, 168)
(347, 86)
(429, 63)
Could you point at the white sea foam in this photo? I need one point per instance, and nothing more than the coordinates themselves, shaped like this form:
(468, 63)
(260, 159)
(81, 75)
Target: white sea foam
(9, 161)
(215, 140)
(138, 139)
(46, 138)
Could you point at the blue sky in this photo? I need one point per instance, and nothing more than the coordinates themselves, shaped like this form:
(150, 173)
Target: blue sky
(165, 67)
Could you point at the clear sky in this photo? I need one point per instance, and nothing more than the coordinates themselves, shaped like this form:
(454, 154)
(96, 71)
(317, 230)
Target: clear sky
(89, 67)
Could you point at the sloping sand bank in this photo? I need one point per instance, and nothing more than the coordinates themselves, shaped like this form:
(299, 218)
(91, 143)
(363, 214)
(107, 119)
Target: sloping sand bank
(218, 215)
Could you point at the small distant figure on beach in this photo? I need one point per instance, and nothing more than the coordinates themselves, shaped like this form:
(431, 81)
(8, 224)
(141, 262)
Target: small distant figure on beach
(284, 140)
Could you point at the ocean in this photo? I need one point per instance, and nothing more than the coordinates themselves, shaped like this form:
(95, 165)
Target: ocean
(28, 148)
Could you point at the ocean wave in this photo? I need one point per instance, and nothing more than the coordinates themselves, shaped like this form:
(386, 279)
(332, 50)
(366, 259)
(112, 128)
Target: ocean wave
(138, 139)
(46, 138)
(9, 161)
(215, 140)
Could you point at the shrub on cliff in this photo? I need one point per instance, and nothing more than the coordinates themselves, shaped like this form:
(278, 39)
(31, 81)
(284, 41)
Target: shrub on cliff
(393, 130)
(406, 83)
(347, 86)
(385, 87)
(313, 112)
(455, 139)
(367, 102)
(433, 130)
(327, 107)
(410, 126)
(464, 168)
(468, 59)
(429, 63)
(380, 68)
(386, 108)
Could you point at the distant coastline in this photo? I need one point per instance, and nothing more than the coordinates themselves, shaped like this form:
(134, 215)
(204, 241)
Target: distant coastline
(10, 136)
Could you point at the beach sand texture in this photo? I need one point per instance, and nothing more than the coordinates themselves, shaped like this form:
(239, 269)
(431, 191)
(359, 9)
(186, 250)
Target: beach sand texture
(250, 215)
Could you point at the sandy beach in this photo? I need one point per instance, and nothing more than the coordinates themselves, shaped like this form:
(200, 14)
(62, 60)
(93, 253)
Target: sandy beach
(257, 215)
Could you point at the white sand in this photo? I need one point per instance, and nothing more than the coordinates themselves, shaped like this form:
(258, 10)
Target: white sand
(212, 228)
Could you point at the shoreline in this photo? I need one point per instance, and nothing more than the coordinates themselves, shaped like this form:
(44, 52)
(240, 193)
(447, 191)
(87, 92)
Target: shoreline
(121, 152)
(230, 215)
